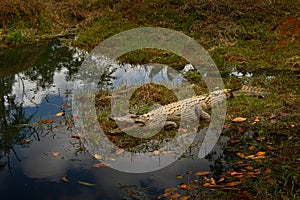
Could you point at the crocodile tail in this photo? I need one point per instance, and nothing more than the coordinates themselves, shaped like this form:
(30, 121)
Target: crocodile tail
(251, 91)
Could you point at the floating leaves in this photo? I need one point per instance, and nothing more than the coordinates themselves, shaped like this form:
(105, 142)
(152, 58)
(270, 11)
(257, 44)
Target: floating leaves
(46, 121)
(98, 156)
(60, 114)
(64, 179)
(100, 164)
(179, 176)
(86, 183)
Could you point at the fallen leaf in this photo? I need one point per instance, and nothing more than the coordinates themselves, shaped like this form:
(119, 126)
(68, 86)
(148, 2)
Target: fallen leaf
(169, 190)
(239, 176)
(206, 184)
(201, 173)
(75, 137)
(250, 174)
(233, 141)
(184, 186)
(156, 152)
(269, 148)
(165, 152)
(174, 196)
(261, 138)
(231, 184)
(268, 170)
(260, 153)
(179, 176)
(251, 148)
(226, 125)
(250, 156)
(257, 119)
(98, 157)
(260, 157)
(258, 172)
(185, 198)
(239, 119)
(55, 153)
(119, 151)
(189, 172)
(235, 173)
(221, 180)
(60, 114)
(250, 168)
(46, 121)
(64, 179)
(86, 183)
(212, 181)
(100, 165)
(241, 155)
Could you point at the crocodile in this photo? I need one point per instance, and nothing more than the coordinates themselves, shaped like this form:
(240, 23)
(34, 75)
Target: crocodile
(194, 106)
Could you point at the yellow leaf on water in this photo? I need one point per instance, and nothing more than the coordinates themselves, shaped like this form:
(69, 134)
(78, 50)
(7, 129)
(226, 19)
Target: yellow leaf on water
(231, 184)
(64, 179)
(239, 119)
(201, 173)
(86, 183)
(98, 156)
(55, 153)
(60, 114)
(46, 121)
(100, 165)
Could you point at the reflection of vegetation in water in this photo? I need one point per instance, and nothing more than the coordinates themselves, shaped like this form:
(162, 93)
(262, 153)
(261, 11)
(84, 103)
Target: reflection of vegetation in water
(45, 60)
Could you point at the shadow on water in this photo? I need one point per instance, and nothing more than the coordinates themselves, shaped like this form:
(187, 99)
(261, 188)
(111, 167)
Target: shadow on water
(37, 148)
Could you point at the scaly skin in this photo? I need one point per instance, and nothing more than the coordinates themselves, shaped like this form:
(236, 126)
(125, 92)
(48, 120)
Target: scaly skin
(188, 108)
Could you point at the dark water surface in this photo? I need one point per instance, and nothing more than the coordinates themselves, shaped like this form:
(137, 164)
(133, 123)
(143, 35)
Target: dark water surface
(36, 83)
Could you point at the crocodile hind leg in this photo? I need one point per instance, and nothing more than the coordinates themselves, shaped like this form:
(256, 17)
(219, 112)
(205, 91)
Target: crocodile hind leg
(201, 114)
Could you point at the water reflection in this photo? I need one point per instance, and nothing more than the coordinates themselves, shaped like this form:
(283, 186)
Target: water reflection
(35, 83)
